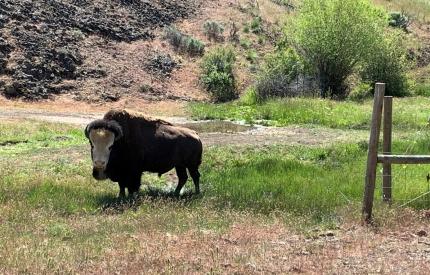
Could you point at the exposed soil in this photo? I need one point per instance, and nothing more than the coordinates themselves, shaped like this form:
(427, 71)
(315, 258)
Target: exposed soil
(43, 43)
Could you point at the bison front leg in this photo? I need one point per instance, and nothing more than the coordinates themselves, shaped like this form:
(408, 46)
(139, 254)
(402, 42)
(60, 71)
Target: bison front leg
(181, 172)
(121, 194)
(134, 185)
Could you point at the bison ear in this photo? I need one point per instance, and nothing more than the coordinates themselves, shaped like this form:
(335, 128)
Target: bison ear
(116, 128)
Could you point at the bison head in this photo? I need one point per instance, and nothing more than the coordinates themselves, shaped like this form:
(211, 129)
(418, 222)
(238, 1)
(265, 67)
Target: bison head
(102, 135)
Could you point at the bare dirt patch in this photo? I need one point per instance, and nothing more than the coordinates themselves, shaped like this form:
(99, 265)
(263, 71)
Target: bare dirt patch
(250, 247)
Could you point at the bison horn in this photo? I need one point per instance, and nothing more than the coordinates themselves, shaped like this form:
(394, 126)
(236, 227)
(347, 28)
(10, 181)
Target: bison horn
(116, 129)
(87, 131)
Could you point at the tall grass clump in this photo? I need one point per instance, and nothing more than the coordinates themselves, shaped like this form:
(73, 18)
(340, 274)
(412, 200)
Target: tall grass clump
(217, 74)
(184, 43)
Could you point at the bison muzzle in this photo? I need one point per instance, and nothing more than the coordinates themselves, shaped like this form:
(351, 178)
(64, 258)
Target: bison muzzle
(126, 144)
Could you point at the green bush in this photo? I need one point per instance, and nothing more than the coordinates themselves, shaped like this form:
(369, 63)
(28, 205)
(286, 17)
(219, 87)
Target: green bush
(334, 36)
(388, 64)
(279, 69)
(213, 30)
(173, 36)
(361, 92)
(184, 43)
(399, 20)
(217, 75)
(193, 46)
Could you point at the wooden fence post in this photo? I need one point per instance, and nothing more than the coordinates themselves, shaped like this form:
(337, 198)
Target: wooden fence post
(386, 147)
(372, 154)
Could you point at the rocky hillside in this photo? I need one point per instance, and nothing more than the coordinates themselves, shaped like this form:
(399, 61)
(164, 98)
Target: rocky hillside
(52, 47)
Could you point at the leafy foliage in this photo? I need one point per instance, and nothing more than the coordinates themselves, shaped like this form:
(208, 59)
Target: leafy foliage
(217, 75)
(279, 70)
(334, 36)
(388, 64)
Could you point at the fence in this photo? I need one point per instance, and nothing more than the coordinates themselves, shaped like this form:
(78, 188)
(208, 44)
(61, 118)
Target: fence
(380, 104)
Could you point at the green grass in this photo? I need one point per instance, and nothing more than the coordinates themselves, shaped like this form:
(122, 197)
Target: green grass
(409, 113)
(54, 217)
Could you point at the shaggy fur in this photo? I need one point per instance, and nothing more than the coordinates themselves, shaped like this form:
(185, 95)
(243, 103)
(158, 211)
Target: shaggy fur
(147, 144)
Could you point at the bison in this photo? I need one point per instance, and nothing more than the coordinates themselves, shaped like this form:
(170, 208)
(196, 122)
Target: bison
(126, 144)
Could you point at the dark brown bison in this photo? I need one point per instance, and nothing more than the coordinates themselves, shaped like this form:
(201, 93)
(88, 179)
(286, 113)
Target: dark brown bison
(125, 144)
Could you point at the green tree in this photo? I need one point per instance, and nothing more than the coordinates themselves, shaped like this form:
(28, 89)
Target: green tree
(334, 36)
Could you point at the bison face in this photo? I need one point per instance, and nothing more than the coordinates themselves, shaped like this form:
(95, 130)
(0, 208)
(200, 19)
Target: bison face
(102, 135)
(101, 141)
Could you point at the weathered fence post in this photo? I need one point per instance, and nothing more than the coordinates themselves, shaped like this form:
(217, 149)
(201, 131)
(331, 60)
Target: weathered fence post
(386, 147)
(372, 155)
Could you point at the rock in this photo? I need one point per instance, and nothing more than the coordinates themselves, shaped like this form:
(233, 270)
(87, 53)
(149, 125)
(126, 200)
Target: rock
(161, 64)
(422, 233)
(12, 91)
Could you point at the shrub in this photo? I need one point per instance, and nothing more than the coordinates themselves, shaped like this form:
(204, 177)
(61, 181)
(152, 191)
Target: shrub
(273, 85)
(399, 20)
(217, 75)
(173, 36)
(334, 36)
(213, 30)
(279, 69)
(183, 42)
(193, 46)
(388, 64)
(361, 92)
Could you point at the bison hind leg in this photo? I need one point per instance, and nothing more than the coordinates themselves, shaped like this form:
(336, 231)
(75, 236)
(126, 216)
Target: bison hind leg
(195, 175)
(181, 172)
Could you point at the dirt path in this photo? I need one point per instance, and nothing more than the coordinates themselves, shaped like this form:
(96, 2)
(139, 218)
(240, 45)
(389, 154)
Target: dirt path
(213, 132)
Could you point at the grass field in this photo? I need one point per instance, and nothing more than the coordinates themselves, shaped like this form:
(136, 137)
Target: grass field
(55, 218)
(408, 113)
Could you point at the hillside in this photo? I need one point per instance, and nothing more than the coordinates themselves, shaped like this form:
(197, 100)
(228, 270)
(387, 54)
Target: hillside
(114, 51)
(57, 47)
